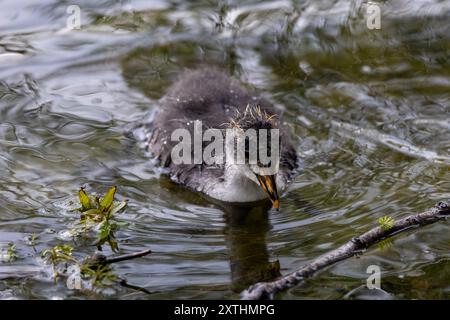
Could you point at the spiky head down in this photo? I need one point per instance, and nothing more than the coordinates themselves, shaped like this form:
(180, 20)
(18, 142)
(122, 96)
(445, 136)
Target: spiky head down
(253, 118)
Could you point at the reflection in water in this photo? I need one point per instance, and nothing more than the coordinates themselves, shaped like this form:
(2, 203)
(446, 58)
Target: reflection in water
(64, 96)
(245, 232)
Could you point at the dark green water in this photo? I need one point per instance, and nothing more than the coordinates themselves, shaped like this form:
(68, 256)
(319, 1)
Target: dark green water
(370, 109)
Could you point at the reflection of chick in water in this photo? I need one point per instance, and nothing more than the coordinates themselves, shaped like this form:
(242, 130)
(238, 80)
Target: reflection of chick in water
(245, 233)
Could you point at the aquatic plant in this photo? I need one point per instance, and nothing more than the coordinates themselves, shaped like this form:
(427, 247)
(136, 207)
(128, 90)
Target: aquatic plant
(93, 271)
(386, 222)
(96, 214)
(11, 252)
(56, 255)
(32, 240)
(8, 255)
(99, 214)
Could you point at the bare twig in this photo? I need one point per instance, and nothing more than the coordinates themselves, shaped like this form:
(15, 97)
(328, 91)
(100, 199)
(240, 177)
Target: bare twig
(267, 290)
(127, 256)
(125, 284)
(99, 259)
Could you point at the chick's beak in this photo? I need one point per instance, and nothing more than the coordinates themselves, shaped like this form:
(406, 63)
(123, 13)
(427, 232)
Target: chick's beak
(270, 187)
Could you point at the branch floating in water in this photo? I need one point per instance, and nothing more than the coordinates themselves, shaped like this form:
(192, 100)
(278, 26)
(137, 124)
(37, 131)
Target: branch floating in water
(267, 290)
(99, 259)
(113, 259)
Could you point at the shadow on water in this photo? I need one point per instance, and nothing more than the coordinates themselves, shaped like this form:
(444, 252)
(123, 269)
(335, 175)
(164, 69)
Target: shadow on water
(245, 232)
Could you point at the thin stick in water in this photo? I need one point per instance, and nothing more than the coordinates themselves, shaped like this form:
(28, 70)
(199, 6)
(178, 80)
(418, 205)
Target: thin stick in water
(267, 290)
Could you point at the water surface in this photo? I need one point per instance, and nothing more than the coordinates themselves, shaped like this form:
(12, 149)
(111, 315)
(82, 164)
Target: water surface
(370, 110)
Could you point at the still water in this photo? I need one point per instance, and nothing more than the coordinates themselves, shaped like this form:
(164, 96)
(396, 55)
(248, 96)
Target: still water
(370, 109)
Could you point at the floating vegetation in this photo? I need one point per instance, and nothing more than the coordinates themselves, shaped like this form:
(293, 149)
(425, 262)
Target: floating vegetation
(61, 259)
(386, 223)
(98, 214)
(94, 271)
(31, 240)
(8, 254)
(101, 276)
(11, 252)
(58, 254)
